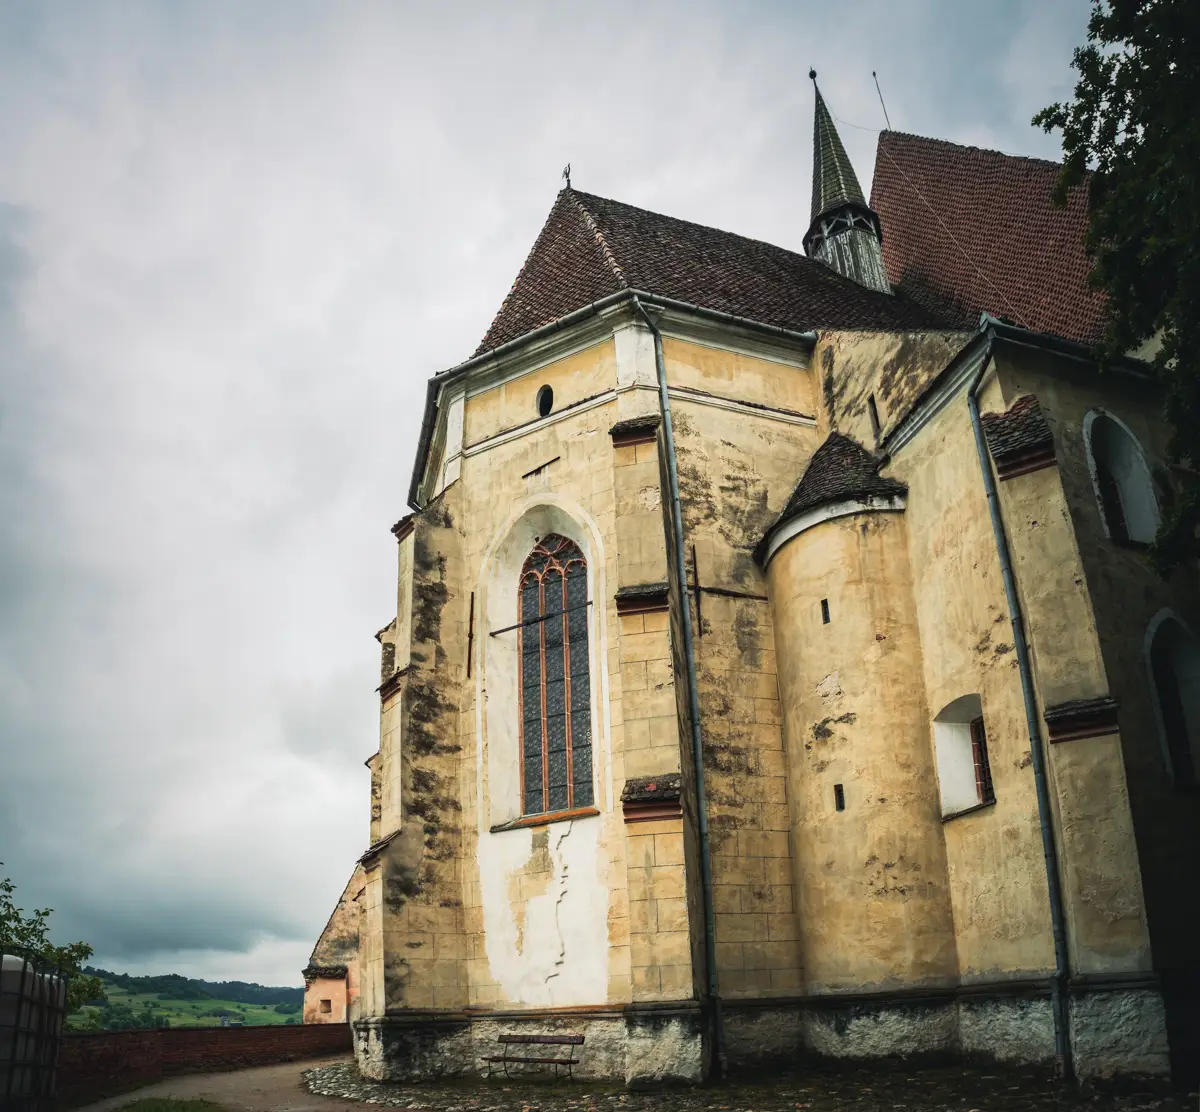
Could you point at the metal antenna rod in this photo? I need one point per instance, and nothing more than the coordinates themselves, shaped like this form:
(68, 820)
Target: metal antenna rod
(881, 104)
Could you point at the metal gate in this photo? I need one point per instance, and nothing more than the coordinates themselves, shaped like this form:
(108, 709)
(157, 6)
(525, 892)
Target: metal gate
(33, 1003)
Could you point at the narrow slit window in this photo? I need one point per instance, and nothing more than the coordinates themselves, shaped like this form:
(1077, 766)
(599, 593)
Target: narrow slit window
(979, 755)
(839, 797)
(555, 679)
(873, 410)
(825, 611)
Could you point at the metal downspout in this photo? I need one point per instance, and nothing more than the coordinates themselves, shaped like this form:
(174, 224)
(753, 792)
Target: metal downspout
(1062, 1041)
(706, 884)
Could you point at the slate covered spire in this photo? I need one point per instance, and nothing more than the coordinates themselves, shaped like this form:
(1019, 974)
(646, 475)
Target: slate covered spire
(834, 181)
(845, 232)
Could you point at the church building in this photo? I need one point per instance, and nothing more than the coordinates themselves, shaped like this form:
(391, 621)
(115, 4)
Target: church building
(777, 667)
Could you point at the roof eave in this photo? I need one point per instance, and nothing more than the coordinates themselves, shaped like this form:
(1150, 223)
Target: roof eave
(453, 374)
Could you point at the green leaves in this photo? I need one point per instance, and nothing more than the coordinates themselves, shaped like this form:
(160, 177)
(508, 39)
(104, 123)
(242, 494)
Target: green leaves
(32, 932)
(1133, 123)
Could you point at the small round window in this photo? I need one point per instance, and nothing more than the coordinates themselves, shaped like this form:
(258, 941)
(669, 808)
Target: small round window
(545, 401)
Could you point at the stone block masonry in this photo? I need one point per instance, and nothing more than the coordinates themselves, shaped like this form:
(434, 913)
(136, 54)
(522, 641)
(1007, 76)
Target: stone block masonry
(93, 1066)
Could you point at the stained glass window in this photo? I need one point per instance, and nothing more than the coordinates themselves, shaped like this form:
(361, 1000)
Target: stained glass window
(556, 718)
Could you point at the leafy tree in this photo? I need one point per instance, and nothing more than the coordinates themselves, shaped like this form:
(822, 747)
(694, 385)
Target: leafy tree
(32, 933)
(1134, 121)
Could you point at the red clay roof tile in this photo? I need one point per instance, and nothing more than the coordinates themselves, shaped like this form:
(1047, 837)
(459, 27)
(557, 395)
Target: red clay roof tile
(591, 247)
(971, 230)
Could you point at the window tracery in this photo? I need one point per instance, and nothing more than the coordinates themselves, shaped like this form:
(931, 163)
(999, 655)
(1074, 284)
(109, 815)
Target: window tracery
(555, 683)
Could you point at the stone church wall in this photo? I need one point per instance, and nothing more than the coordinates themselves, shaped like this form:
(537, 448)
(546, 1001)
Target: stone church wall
(474, 919)
(1124, 595)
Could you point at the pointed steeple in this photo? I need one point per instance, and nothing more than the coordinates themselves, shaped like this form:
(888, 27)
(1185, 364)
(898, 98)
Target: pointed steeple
(844, 233)
(834, 182)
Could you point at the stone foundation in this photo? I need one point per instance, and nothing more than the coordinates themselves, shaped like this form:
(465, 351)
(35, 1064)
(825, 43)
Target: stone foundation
(637, 1045)
(1116, 1029)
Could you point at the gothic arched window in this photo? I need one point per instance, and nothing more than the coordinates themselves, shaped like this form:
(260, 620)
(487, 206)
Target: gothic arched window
(1123, 485)
(555, 686)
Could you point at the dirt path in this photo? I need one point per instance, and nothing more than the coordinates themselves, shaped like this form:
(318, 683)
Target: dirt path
(261, 1089)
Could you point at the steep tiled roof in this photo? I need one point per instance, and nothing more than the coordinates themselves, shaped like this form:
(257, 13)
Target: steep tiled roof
(974, 230)
(1020, 429)
(840, 470)
(591, 247)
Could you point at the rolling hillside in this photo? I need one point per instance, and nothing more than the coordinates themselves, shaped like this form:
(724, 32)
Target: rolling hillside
(175, 1001)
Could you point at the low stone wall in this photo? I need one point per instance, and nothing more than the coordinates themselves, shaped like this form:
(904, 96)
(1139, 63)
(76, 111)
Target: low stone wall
(95, 1065)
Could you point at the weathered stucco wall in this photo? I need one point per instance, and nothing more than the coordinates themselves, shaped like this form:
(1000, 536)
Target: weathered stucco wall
(337, 948)
(997, 878)
(1125, 594)
(326, 1000)
(466, 905)
(584, 374)
(736, 470)
(892, 367)
(872, 877)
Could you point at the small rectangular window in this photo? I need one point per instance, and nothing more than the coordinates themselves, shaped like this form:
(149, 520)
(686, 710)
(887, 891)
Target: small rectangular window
(825, 611)
(873, 409)
(326, 1007)
(839, 797)
(983, 770)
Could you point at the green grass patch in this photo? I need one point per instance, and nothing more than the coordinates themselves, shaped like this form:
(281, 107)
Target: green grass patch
(189, 1013)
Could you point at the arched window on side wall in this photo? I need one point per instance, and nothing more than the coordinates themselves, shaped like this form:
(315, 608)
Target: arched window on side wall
(555, 695)
(960, 749)
(1173, 658)
(1122, 479)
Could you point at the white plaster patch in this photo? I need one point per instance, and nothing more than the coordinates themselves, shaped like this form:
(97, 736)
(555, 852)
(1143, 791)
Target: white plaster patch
(649, 498)
(830, 687)
(561, 956)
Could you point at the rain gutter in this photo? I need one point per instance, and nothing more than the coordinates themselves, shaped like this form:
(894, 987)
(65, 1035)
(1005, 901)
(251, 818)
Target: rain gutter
(1058, 927)
(689, 653)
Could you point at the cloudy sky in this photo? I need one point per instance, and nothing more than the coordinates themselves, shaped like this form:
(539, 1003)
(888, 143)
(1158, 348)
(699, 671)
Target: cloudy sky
(235, 239)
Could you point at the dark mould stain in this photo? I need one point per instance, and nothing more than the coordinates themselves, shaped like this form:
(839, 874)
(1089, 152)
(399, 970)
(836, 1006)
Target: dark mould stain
(745, 635)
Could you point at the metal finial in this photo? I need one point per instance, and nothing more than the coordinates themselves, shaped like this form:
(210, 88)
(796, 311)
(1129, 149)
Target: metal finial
(812, 73)
(567, 174)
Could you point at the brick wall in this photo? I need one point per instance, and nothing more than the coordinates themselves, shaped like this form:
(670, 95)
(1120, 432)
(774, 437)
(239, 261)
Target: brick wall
(94, 1065)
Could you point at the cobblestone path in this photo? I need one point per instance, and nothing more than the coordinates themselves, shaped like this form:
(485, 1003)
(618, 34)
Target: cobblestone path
(847, 1089)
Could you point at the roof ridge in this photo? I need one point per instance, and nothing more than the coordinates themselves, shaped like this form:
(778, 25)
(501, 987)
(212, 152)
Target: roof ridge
(598, 235)
(702, 227)
(969, 147)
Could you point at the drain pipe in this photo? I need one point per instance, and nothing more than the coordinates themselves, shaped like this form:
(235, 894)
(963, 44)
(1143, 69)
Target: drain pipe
(689, 653)
(1062, 1040)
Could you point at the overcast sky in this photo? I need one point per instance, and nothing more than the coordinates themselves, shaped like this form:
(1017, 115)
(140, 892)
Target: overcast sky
(235, 240)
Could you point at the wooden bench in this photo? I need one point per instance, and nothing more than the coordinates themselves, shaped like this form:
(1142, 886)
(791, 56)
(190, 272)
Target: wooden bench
(508, 1058)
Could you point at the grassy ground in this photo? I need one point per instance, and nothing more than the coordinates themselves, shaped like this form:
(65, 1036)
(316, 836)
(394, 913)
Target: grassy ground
(190, 1013)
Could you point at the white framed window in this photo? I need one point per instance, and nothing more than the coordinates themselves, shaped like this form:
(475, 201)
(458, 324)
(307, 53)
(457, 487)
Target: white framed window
(960, 747)
(1120, 478)
(1172, 655)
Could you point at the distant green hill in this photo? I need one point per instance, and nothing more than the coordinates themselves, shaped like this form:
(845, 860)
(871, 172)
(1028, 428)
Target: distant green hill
(170, 1000)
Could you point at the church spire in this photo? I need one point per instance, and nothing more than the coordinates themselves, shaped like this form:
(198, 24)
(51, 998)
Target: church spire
(844, 233)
